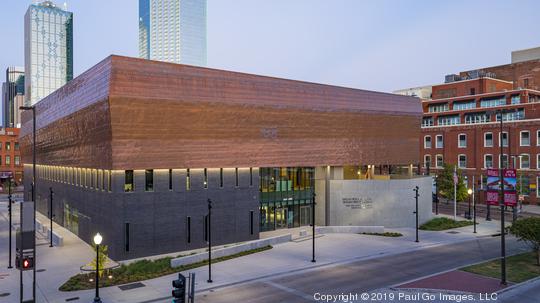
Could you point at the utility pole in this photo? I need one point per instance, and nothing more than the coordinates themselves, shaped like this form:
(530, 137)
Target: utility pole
(209, 241)
(51, 214)
(10, 219)
(313, 225)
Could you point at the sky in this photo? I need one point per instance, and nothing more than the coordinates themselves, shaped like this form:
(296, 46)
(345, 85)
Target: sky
(381, 45)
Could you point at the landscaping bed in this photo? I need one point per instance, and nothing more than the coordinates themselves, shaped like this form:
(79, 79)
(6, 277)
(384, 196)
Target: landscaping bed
(142, 270)
(439, 224)
(519, 268)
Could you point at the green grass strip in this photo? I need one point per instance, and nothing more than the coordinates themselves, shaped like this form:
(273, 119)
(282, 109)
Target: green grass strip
(519, 268)
(438, 224)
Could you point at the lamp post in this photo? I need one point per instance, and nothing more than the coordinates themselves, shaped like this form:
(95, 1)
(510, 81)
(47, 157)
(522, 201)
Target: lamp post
(51, 214)
(10, 218)
(313, 225)
(97, 241)
(209, 241)
(34, 188)
(469, 191)
(416, 211)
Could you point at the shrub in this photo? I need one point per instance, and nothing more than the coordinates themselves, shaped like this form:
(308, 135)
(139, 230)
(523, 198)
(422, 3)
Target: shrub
(528, 231)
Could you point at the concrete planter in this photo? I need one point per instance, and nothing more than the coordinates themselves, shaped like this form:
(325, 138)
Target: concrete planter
(227, 251)
(348, 229)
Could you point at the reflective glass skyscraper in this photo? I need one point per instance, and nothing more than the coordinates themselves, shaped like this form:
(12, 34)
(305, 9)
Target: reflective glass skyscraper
(48, 50)
(13, 96)
(173, 31)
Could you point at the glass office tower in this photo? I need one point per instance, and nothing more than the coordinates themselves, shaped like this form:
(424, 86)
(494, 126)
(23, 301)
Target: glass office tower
(13, 96)
(173, 31)
(48, 50)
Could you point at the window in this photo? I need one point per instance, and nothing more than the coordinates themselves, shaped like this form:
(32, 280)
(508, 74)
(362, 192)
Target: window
(524, 138)
(149, 180)
(436, 108)
(126, 235)
(504, 139)
(504, 162)
(537, 187)
(461, 105)
(205, 182)
(488, 139)
(251, 222)
(16, 145)
(526, 83)
(188, 229)
(524, 161)
(462, 161)
(251, 176)
(427, 121)
(538, 138)
(488, 161)
(128, 183)
(221, 177)
(427, 142)
(17, 160)
(8, 160)
(109, 180)
(170, 179)
(427, 160)
(492, 102)
(439, 141)
(448, 120)
(476, 118)
(8, 145)
(515, 99)
(236, 176)
(513, 115)
(538, 161)
(188, 180)
(473, 91)
(439, 161)
(462, 140)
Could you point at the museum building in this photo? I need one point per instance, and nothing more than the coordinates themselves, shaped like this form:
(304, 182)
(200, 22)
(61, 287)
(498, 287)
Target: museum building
(134, 149)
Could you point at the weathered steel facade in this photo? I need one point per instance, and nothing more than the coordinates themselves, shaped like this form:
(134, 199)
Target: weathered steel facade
(134, 114)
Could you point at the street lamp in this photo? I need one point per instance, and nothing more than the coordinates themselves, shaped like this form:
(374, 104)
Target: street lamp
(313, 226)
(469, 191)
(97, 240)
(34, 188)
(209, 242)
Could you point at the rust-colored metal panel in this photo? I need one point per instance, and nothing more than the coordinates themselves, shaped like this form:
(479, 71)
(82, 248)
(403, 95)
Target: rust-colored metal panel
(147, 114)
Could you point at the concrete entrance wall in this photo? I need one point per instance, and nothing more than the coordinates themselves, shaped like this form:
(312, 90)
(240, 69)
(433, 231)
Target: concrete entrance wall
(377, 202)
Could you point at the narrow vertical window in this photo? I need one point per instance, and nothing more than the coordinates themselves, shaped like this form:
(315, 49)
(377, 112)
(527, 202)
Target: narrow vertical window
(109, 180)
(149, 180)
(188, 229)
(103, 180)
(126, 237)
(221, 177)
(128, 183)
(170, 179)
(251, 176)
(205, 178)
(251, 222)
(188, 181)
(236, 176)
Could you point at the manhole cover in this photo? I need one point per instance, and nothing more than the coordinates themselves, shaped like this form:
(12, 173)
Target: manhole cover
(5, 294)
(40, 270)
(72, 299)
(453, 232)
(131, 286)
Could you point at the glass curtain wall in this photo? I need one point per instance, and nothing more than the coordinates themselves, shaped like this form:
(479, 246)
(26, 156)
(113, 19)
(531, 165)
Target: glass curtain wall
(285, 196)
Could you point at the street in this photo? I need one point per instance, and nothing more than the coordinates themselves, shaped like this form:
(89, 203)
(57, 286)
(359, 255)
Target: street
(362, 276)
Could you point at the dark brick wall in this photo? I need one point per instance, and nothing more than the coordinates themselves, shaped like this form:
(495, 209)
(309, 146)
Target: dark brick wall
(158, 219)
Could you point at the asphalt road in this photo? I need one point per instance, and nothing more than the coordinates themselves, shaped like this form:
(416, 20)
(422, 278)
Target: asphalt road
(361, 276)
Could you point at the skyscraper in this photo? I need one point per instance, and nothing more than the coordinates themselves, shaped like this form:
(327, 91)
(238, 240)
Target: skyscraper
(173, 31)
(48, 50)
(13, 96)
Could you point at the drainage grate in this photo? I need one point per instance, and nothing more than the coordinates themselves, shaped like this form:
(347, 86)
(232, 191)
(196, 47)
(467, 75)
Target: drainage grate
(453, 232)
(4, 294)
(131, 286)
(40, 270)
(72, 299)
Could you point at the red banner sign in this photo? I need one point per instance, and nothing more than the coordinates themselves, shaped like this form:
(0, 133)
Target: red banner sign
(494, 187)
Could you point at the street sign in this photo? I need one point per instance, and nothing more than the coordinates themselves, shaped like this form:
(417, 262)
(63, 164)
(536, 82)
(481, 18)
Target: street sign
(6, 174)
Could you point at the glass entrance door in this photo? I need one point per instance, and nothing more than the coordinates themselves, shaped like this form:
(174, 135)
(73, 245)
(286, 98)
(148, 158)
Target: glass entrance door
(305, 215)
(281, 217)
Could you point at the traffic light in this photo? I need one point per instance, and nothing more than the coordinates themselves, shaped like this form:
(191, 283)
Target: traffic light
(179, 291)
(26, 263)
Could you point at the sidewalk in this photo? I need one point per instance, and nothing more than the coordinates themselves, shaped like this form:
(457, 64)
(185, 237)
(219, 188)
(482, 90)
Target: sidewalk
(63, 262)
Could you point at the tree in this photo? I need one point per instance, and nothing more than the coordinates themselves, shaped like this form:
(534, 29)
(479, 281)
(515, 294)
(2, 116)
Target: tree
(102, 259)
(528, 231)
(445, 183)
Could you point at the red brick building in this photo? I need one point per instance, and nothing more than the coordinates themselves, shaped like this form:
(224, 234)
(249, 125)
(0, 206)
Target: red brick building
(10, 155)
(460, 127)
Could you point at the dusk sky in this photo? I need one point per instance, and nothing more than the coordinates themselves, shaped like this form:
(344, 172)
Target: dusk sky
(376, 45)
